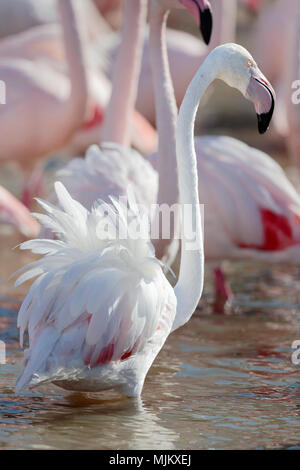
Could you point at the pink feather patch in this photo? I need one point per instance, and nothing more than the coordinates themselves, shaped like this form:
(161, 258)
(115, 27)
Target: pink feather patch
(96, 119)
(278, 234)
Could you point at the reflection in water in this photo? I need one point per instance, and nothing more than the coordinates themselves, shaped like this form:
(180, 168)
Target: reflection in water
(219, 382)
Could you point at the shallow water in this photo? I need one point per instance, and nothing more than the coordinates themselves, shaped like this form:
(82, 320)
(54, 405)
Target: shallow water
(220, 382)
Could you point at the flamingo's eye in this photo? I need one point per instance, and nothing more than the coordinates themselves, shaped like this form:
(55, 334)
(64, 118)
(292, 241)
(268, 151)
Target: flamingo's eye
(249, 63)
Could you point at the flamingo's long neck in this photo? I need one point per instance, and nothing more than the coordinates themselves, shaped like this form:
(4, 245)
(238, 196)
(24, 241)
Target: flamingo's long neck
(224, 26)
(190, 283)
(116, 126)
(76, 63)
(166, 116)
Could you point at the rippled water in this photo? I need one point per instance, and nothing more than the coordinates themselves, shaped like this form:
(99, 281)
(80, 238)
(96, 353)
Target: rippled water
(221, 382)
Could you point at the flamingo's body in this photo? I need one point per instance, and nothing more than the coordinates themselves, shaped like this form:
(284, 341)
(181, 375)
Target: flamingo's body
(251, 208)
(120, 310)
(13, 212)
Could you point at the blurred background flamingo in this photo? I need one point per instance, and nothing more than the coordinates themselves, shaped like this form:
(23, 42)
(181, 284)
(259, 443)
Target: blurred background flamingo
(32, 58)
(42, 108)
(275, 31)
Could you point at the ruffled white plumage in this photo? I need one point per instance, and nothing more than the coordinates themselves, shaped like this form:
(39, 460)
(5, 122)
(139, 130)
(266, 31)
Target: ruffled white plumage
(99, 300)
(108, 170)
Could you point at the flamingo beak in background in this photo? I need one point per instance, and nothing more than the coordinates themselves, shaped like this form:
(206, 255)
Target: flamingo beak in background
(201, 10)
(262, 94)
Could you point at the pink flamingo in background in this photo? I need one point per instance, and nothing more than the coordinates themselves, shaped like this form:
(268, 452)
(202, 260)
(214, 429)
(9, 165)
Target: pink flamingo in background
(42, 108)
(44, 46)
(108, 169)
(277, 32)
(13, 212)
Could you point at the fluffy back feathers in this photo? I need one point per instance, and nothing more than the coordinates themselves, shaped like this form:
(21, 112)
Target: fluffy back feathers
(114, 285)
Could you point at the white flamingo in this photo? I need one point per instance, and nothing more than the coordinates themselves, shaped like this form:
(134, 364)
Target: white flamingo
(101, 310)
(251, 208)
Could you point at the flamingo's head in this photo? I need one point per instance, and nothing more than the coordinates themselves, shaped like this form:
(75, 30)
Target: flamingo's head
(238, 69)
(201, 10)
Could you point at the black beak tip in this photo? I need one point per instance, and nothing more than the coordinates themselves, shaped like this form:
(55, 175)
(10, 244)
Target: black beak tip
(264, 119)
(206, 24)
(264, 122)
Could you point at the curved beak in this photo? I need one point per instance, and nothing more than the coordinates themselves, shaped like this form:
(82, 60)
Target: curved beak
(262, 94)
(201, 10)
(206, 19)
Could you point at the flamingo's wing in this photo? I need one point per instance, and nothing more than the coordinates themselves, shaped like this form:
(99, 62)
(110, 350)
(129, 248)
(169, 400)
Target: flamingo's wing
(247, 196)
